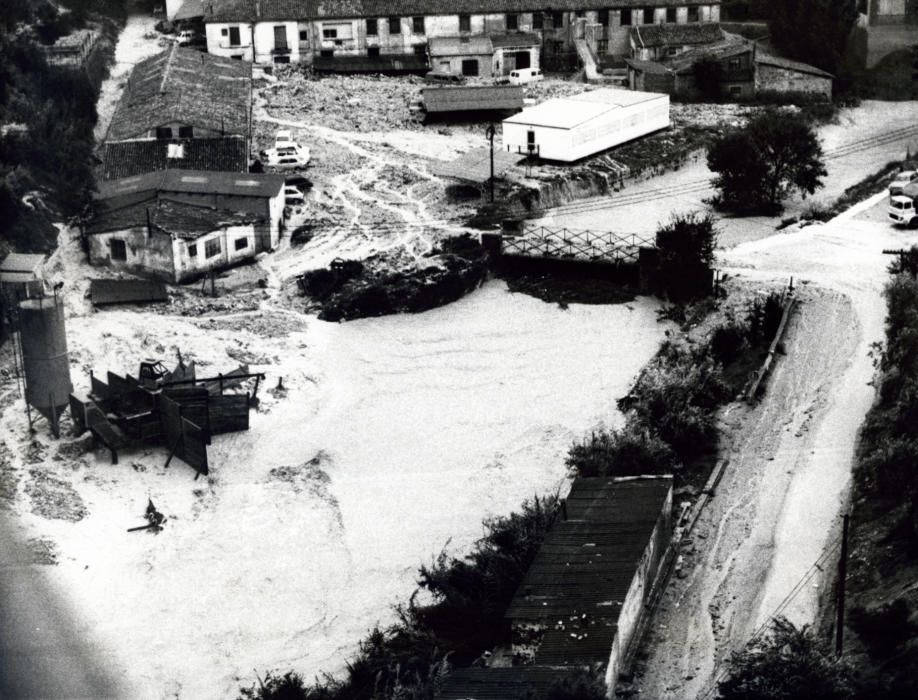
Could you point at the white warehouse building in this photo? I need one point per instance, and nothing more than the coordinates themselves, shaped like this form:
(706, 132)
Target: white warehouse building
(570, 128)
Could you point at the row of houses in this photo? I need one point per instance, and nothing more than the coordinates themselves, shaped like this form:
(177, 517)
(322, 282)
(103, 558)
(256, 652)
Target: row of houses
(325, 32)
(175, 198)
(583, 600)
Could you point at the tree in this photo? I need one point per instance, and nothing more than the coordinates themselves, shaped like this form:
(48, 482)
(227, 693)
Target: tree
(761, 164)
(787, 664)
(624, 452)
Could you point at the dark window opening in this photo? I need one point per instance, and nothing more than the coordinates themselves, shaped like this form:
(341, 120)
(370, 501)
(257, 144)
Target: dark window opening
(282, 59)
(603, 17)
(327, 53)
(417, 25)
(224, 31)
(465, 23)
(420, 49)
(470, 67)
(373, 51)
(523, 59)
(538, 20)
(580, 13)
(557, 20)
(329, 33)
(241, 243)
(395, 25)
(280, 37)
(626, 17)
(192, 250)
(164, 132)
(372, 27)
(304, 35)
(234, 37)
(237, 56)
(513, 22)
(671, 15)
(186, 132)
(212, 247)
(118, 249)
(694, 14)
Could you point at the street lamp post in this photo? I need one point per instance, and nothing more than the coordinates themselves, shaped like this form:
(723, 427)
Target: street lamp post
(489, 133)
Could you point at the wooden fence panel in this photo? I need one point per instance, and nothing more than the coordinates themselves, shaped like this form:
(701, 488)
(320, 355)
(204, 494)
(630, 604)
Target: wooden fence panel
(193, 449)
(229, 413)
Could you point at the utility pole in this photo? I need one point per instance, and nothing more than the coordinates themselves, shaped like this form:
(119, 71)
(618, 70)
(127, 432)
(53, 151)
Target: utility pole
(842, 573)
(489, 133)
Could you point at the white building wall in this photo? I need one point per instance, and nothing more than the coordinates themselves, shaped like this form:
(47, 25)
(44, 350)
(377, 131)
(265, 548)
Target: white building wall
(265, 47)
(218, 40)
(605, 131)
(188, 265)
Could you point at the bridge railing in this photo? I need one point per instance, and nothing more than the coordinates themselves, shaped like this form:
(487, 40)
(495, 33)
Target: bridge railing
(574, 244)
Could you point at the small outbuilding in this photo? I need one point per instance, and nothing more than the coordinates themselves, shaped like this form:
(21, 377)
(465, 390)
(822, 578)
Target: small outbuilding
(21, 276)
(570, 128)
(781, 75)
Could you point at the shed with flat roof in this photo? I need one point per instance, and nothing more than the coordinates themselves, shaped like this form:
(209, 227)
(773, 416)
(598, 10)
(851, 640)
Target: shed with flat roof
(568, 129)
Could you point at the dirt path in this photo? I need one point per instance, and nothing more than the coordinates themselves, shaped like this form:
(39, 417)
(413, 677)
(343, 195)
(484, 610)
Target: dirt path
(778, 506)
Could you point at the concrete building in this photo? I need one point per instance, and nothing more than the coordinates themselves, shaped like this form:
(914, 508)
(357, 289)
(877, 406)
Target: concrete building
(484, 56)
(570, 128)
(181, 108)
(584, 597)
(282, 31)
(71, 50)
(881, 12)
(178, 224)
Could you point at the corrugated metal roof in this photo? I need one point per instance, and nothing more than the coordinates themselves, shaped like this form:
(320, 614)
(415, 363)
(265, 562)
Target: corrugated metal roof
(108, 292)
(459, 45)
(497, 683)
(684, 62)
(653, 35)
(475, 166)
(194, 181)
(588, 561)
(22, 262)
(184, 86)
(473, 98)
(502, 41)
(651, 67)
(787, 64)
(569, 112)
(181, 219)
(190, 9)
(397, 63)
(126, 158)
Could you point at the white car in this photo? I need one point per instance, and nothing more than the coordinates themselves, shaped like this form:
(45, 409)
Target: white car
(286, 156)
(902, 179)
(521, 76)
(293, 195)
(185, 37)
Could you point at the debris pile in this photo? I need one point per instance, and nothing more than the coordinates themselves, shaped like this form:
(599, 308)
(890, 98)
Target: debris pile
(54, 498)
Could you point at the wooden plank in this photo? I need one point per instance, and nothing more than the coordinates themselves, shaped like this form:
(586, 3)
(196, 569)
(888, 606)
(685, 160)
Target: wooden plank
(78, 414)
(99, 389)
(193, 447)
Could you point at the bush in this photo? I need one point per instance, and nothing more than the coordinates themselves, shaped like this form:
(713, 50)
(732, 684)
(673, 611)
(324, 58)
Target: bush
(627, 452)
(287, 687)
(686, 254)
(728, 341)
(787, 664)
(885, 629)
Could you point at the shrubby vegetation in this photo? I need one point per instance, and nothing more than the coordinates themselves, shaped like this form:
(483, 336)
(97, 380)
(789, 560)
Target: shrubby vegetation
(465, 618)
(760, 164)
(48, 115)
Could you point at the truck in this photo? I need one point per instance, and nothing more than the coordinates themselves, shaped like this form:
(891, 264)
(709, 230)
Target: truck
(903, 207)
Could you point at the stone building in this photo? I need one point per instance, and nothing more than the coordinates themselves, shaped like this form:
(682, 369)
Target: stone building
(780, 75)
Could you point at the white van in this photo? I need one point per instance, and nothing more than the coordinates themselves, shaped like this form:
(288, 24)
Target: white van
(525, 75)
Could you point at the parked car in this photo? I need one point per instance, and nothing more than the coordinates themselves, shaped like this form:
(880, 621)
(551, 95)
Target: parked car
(902, 179)
(521, 76)
(439, 77)
(293, 195)
(288, 155)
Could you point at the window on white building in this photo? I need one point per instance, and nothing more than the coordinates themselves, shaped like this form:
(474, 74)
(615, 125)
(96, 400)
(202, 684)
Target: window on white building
(417, 25)
(212, 247)
(192, 250)
(372, 27)
(118, 249)
(513, 22)
(241, 243)
(465, 23)
(234, 38)
(395, 25)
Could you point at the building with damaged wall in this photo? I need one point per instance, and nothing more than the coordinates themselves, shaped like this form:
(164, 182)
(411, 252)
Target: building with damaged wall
(289, 31)
(184, 224)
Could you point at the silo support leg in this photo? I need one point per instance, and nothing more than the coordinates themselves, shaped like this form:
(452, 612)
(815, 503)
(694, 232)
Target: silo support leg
(55, 425)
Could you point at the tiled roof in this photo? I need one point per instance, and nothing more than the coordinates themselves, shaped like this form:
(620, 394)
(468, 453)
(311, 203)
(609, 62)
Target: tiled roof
(651, 67)
(190, 9)
(388, 64)
(248, 10)
(127, 158)
(652, 35)
(497, 683)
(685, 61)
(193, 181)
(459, 45)
(791, 65)
(185, 86)
(187, 221)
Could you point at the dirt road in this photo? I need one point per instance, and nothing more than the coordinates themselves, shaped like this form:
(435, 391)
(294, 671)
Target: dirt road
(778, 506)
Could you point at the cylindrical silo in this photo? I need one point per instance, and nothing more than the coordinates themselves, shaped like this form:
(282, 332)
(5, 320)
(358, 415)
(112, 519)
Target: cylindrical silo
(44, 356)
